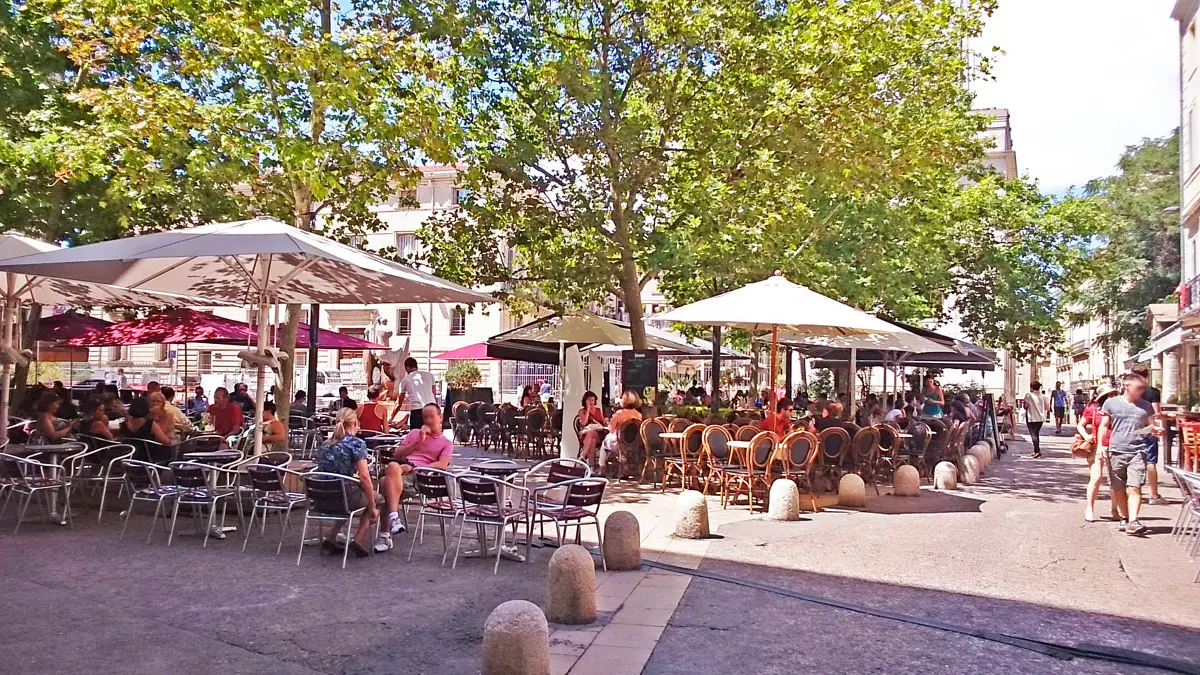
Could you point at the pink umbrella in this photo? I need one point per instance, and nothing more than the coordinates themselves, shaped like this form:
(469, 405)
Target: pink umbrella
(327, 339)
(67, 326)
(173, 327)
(475, 352)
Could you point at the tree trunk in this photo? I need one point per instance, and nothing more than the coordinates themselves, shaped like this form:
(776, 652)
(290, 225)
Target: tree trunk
(631, 289)
(29, 327)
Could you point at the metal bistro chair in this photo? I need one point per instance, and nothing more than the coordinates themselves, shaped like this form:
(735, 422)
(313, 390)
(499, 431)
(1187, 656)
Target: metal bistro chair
(436, 500)
(33, 479)
(201, 443)
(487, 502)
(629, 445)
(580, 506)
(194, 488)
(145, 484)
(329, 501)
(267, 482)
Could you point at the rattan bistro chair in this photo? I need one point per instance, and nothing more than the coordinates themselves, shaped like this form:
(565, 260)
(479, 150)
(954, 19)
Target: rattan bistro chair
(865, 451)
(756, 473)
(835, 446)
(800, 454)
(655, 448)
(714, 459)
(685, 465)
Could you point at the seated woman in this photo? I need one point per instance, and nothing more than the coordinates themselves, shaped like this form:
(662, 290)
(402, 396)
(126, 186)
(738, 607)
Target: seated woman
(371, 414)
(140, 426)
(50, 428)
(831, 416)
(591, 427)
(346, 455)
(630, 403)
(95, 419)
(161, 416)
(529, 398)
(275, 435)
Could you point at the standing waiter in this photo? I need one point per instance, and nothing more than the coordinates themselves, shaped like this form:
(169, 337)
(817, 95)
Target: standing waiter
(416, 391)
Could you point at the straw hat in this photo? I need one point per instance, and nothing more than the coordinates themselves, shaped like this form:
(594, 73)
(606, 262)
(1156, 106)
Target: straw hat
(1103, 392)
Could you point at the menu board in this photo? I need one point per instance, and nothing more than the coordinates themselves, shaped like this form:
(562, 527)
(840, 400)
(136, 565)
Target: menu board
(639, 372)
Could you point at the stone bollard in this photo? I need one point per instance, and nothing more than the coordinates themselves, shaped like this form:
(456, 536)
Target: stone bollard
(907, 482)
(985, 458)
(852, 491)
(970, 470)
(572, 596)
(945, 476)
(991, 443)
(622, 542)
(692, 520)
(784, 500)
(516, 640)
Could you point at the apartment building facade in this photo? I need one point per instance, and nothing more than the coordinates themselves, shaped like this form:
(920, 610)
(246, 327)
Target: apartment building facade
(1176, 348)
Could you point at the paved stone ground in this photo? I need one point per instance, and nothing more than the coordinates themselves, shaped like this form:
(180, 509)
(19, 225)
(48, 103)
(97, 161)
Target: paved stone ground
(1011, 554)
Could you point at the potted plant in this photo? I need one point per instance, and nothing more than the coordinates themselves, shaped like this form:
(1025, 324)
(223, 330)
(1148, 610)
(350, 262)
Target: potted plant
(462, 384)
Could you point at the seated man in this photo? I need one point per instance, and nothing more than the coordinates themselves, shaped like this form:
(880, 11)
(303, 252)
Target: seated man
(181, 422)
(227, 417)
(198, 403)
(424, 447)
(780, 421)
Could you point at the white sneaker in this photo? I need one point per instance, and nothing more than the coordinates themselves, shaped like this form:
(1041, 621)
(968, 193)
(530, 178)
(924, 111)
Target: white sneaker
(395, 525)
(384, 543)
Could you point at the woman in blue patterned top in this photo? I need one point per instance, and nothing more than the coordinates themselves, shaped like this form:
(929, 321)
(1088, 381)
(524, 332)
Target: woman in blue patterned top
(346, 454)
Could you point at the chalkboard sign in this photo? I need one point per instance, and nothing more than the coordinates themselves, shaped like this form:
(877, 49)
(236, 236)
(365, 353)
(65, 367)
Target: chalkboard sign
(639, 372)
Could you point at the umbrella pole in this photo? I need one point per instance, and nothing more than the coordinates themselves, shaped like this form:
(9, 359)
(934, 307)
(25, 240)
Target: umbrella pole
(853, 381)
(774, 356)
(6, 379)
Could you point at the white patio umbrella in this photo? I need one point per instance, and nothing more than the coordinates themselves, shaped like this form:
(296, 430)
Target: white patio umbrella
(777, 304)
(17, 288)
(257, 262)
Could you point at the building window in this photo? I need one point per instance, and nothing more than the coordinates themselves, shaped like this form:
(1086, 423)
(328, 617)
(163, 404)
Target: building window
(301, 359)
(345, 355)
(406, 244)
(404, 199)
(458, 321)
(404, 322)
(163, 353)
(204, 362)
(462, 196)
(115, 353)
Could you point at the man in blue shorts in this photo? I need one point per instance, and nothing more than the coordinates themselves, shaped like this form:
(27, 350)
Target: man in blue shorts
(1154, 397)
(1130, 419)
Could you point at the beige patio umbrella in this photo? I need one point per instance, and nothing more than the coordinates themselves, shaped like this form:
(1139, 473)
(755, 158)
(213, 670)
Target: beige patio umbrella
(775, 305)
(256, 262)
(18, 288)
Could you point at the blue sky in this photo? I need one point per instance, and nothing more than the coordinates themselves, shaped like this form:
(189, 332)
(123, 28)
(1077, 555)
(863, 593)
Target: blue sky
(1082, 79)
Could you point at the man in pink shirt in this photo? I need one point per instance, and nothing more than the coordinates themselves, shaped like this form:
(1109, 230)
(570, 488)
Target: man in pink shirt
(427, 446)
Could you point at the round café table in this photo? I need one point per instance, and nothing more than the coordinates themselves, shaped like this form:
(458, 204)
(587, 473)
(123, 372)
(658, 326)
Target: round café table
(56, 451)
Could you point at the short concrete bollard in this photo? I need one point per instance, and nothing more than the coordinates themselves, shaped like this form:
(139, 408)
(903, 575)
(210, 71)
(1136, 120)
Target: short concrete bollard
(991, 443)
(852, 491)
(985, 459)
(945, 476)
(907, 482)
(622, 542)
(784, 500)
(692, 520)
(516, 640)
(970, 470)
(572, 596)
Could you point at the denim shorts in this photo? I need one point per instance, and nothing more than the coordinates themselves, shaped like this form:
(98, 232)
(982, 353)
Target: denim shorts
(1152, 451)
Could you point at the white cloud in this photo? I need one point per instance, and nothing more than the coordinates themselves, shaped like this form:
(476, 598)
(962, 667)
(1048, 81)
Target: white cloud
(1082, 79)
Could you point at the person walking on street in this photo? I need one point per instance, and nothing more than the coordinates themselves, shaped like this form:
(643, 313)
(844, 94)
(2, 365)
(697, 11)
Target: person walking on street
(1154, 397)
(416, 392)
(1058, 398)
(1080, 403)
(1131, 421)
(1087, 446)
(1037, 407)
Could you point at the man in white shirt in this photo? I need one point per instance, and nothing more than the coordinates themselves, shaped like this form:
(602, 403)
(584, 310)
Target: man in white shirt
(1037, 408)
(416, 391)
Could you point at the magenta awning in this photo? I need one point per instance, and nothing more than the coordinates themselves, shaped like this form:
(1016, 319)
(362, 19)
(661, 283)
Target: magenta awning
(475, 352)
(327, 339)
(173, 327)
(68, 326)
